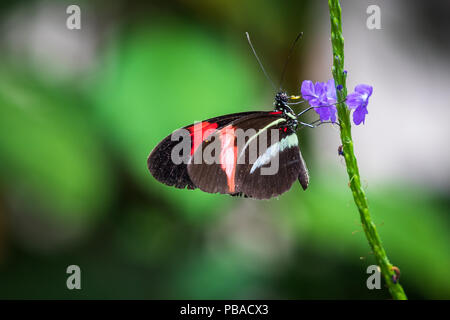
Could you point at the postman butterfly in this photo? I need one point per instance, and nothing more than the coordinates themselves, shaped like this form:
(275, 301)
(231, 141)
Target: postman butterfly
(231, 139)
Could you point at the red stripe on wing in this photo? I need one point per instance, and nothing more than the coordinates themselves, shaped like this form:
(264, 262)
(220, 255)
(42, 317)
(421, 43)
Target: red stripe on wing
(228, 155)
(199, 132)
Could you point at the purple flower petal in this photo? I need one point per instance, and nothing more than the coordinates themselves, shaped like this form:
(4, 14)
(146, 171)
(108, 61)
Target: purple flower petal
(323, 112)
(321, 91)
(315, 94)
(354, 100)
(333, 113)
(308, 90)
(359, 115)
(323, 96)
(364, 89)
(331, 91)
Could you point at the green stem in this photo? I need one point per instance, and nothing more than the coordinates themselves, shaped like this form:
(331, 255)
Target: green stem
(337, 41)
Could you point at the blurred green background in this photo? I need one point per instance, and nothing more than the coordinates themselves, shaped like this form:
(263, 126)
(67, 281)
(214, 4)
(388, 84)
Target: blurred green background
(80, 110)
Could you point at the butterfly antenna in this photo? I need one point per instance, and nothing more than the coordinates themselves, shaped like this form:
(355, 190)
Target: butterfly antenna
(259, 61)
(299, 36)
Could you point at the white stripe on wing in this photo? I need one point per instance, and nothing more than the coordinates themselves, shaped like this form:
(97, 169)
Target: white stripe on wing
(273, 150)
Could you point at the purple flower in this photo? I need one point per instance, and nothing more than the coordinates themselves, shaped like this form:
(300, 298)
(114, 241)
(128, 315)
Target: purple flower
(359, 100)
(315, 94)
(322, 96)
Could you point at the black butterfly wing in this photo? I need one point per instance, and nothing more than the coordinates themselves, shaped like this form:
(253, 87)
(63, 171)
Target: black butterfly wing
(160, 163)
(234, 171)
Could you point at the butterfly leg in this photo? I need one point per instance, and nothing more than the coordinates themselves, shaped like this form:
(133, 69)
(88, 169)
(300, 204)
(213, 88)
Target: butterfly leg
(298, 102)
(322, 106)
(316, 123)
(309, 108)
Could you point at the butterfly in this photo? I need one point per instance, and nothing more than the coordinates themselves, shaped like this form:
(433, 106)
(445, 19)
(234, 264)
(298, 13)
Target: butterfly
(252, 154)
(228, 175)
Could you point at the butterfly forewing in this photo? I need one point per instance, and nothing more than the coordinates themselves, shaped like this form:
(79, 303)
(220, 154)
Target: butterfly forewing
(160, 162)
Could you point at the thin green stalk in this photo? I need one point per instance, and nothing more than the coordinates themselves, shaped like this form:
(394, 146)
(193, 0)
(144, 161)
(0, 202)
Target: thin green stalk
(337, 41)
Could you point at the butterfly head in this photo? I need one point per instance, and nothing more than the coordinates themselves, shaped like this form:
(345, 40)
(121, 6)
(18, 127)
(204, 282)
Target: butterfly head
(281, 100)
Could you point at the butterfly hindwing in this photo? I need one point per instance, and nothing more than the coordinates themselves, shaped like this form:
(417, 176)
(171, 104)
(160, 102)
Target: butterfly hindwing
(160, 163)
(276, 168)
